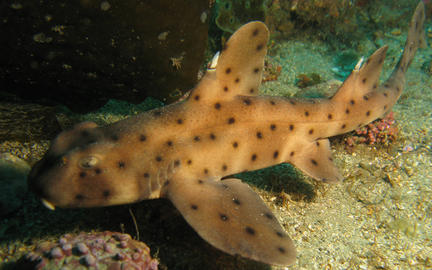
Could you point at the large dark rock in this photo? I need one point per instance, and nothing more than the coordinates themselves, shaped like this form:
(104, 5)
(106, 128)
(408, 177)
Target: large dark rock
(81, 53)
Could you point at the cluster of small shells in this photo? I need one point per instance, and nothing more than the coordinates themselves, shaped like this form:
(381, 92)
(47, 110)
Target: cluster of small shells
(101, 250)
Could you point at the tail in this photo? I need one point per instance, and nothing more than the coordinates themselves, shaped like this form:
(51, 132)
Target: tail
(360, 90)
(416, 39)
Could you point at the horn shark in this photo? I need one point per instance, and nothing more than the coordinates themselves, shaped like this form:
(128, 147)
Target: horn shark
(183, 152)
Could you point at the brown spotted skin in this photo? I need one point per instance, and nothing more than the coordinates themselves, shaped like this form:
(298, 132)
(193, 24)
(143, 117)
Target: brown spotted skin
(181, 151)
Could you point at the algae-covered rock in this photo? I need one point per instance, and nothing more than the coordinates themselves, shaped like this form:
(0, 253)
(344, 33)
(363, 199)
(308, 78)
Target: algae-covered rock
(81, 53)
(231, 14)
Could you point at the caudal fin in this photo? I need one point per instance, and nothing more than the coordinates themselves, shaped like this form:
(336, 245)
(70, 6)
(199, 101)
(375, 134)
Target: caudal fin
(415, 39)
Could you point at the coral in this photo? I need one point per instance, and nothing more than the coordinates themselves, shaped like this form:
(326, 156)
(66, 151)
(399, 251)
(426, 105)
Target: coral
(100, 250)
(382, 131)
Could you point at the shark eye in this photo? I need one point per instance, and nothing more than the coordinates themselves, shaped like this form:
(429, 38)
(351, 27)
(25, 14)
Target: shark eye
(88, 162)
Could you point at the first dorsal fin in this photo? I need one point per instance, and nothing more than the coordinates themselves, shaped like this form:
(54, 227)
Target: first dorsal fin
(239, 66)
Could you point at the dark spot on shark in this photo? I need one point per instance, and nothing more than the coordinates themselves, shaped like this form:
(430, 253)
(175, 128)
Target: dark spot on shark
(158, 158)
(268, 215)
(194, 207)
(223, 217)
(106, 193)
(352, 101)
(189, 162)
(235, 144)
(231, 120)
(224, 167)
(205, 171)
(251, 90)
(176, 163)
(237, 80)
(317, 144)
(79, 197)
(374, 86)
(275, 154)
(157, 113)
(197, 97)
(330, 116)
(347, 111)
(255, 32)
(217, 106)
(225, 88)
(314, 162)
(253, 157)
(212, 137)
(306, 113)
(365, 97)
(200, 181)
(143, 138)
(385, 94)
(292, 153)
(146, 175)
(272, 102)
(273, 127)
(292, 102)
(385, 107)
(250, 230)
(311, 131)
(343, 126)
(364, 80)
(259, 135)
(256, 70)
(98, 171)
(82, 174)
(197, 138)
(281, 250)
(259, 47)
(169, 143)
(368, 113)
(228, 70)
(179, 121)
(279, 234)
(291, 127)
(121, 164)
(236, 201)
(247, 101)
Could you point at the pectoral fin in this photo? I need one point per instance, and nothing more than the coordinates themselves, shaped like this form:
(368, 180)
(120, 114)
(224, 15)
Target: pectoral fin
(232, 217)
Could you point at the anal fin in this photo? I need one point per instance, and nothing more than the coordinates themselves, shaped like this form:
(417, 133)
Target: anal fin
(315, 160)
(232, 217)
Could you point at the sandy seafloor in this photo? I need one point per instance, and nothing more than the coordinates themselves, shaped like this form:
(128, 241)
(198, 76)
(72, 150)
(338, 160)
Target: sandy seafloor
(379, 217)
